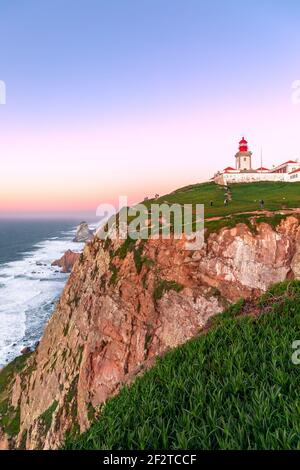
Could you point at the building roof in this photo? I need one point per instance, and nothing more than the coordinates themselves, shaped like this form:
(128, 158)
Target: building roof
(243, 141)
(262, 169)
(294, 171)
(229, 168)
(289, 161)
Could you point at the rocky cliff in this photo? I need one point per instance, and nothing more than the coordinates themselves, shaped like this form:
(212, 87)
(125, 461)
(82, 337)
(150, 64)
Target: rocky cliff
(67, 261)
(123, 305)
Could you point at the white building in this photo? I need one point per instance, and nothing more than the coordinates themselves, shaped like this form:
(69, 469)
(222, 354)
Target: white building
(244, 173)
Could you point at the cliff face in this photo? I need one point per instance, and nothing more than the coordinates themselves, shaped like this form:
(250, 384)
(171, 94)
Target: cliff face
(125, 304)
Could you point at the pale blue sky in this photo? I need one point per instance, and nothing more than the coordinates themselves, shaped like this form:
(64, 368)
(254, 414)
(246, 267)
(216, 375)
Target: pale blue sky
(174, 83)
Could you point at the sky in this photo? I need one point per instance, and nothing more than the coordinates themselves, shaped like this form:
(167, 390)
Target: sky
(137, 97)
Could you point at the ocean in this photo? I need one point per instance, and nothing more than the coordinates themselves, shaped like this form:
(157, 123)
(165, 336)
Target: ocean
(29, 285)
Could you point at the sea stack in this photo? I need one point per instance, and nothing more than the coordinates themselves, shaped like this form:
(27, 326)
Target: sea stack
(83, 233)
(67, 261)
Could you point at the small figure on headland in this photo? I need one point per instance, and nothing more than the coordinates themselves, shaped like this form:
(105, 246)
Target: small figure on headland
(228, 195)
(262, 203)
(211, 203)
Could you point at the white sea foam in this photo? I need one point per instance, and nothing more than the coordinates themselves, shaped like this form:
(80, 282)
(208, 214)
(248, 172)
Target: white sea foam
(29, 289)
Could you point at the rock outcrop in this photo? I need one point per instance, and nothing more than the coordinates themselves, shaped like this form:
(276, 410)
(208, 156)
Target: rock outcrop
(83, 233)
(26, 350)
(122, 307)
(67, 261)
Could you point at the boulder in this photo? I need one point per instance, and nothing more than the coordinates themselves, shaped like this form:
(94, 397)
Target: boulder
(26, 350)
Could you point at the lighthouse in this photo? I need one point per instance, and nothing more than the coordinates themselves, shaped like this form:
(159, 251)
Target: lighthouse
(244, 173)
(243, 157)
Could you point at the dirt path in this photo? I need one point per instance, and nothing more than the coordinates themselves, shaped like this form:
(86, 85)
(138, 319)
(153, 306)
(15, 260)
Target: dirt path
(258, 212)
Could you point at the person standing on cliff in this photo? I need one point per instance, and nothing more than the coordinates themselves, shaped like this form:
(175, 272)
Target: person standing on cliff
(262, 203)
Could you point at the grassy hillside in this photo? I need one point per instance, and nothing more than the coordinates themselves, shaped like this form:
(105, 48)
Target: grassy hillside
(245, 200)
(245, 197)
(234, 387)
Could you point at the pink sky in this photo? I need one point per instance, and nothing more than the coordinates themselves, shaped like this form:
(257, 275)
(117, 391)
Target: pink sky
(149, 97)
(80, 165)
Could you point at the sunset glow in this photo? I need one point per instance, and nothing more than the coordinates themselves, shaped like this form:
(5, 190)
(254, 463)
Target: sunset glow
(146, 115)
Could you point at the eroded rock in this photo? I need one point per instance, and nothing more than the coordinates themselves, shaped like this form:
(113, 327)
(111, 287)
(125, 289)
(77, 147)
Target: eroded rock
(116, 315)
(67, 261)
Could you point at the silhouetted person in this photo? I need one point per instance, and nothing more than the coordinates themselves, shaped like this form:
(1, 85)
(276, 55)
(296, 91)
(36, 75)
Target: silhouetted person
(262, 203)
(211, 203)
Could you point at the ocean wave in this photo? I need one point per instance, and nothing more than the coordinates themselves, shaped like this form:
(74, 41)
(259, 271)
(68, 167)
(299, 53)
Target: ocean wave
(30, 288)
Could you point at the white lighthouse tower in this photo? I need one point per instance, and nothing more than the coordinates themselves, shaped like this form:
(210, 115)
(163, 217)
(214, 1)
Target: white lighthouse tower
(243, 157)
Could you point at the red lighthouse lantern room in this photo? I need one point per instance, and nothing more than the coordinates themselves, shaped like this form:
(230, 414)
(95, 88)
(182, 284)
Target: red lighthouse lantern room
(243, 145)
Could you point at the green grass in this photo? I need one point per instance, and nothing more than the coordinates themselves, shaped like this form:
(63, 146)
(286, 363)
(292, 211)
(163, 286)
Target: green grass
(9, 416)
(245, 197)
(216, 225)
(234, 387)
(114, 276)
(8, 372)
(162, 286)
(46, 417)
(126, 247)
